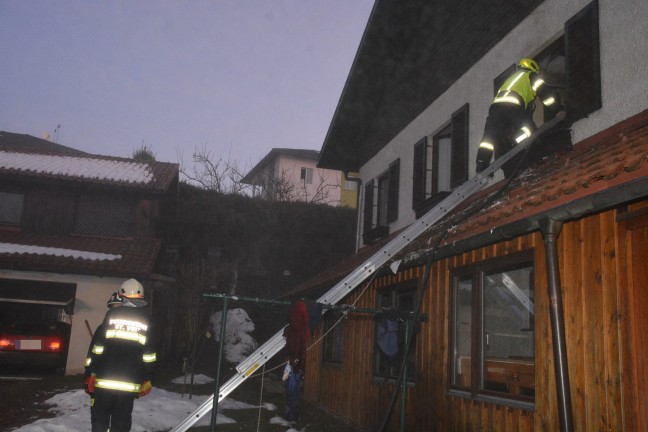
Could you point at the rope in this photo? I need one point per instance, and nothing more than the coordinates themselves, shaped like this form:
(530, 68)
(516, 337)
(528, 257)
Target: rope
(260, 399)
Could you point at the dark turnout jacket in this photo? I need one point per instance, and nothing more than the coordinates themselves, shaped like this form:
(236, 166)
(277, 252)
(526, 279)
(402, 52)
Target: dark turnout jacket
(121, 354)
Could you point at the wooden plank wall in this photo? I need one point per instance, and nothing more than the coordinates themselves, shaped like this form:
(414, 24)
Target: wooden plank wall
(589, 271)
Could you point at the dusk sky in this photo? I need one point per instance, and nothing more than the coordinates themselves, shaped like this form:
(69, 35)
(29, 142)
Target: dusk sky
(237, 77)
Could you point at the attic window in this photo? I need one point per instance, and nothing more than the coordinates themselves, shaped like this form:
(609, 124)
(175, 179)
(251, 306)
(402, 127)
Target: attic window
(104, 216)
(11, 207)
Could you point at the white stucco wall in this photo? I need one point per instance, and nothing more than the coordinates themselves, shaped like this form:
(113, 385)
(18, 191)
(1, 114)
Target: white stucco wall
(329, 179)
(623, 33)
(92, 293)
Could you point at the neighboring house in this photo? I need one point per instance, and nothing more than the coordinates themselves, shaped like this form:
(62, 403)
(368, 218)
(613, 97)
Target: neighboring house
(535, 301)
(292, 175)
(73, 227)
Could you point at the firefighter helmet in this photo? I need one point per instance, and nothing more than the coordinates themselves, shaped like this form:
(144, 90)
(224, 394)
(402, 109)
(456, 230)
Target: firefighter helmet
(114, 300)
(530, 64)
(131, 289)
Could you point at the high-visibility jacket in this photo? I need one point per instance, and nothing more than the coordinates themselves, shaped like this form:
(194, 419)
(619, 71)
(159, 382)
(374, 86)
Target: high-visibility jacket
(522, 87)
(122, 353)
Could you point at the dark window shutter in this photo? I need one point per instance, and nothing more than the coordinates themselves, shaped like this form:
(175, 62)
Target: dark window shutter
(392, 199)
(367, 223)
(459, 170)
(583, 63)
(418, 178)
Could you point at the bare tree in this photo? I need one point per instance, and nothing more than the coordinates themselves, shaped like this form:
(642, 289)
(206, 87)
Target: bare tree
(215, 174)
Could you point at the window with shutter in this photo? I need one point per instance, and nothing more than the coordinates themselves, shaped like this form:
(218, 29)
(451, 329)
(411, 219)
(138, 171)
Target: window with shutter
(583, 63)
(419, 177)
(392, 193)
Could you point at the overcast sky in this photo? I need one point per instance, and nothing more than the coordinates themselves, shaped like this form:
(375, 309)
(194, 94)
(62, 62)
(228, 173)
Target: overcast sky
(237, 76)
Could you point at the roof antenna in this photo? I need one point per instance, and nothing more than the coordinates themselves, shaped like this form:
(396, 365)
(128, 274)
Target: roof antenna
(56, 132)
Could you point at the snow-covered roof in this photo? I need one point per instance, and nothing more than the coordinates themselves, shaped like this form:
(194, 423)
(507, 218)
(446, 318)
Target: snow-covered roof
(28, 156)
(80, 167)
(11, 248)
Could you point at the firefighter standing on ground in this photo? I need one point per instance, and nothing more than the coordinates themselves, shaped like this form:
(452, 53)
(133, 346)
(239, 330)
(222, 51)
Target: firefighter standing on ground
(511, 113)
(121, 359)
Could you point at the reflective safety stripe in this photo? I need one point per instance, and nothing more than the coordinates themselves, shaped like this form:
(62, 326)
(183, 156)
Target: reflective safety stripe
(512, 83)
(117, 385)
(526, 133)
(487, 146)
(149, 358)
(537, 84)
(549, 101)
(88, 361)
(507, 99)
(97, 349)
(127, 335)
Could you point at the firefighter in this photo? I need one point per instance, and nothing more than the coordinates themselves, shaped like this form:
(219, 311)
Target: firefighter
(121, 360)
(510, 114)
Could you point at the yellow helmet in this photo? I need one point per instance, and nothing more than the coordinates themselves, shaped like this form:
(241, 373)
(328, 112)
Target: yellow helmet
(131, 289)
(530, 64)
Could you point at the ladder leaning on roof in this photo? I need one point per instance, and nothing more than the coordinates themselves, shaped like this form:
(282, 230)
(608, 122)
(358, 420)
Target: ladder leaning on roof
(266, 351)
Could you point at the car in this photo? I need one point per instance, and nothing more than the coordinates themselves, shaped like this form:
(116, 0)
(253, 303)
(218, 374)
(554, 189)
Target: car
(35, 343)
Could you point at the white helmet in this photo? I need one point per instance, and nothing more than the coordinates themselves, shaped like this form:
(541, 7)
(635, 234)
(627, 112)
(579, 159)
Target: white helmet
(132, 289)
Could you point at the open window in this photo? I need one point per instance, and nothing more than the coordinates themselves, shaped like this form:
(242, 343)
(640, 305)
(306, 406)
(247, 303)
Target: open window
(492, 329)
(442, 164)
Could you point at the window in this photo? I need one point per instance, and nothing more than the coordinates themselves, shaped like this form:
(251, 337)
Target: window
(104, 216)
(387, 204)
(492, 351)
(11, 207)
(390, 333)
(441, 165)
(334, 328)
(388, 194)
(307, 175)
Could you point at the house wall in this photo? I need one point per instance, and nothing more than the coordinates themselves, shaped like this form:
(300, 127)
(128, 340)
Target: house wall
(596, 260)
(92, 293)
(624, 61)
(326, 183)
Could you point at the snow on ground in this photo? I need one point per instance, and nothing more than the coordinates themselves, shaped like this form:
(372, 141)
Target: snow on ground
(161, 410)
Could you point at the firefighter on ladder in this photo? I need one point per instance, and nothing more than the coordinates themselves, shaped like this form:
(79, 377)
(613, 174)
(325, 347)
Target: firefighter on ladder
(120, 362)
(510, 115)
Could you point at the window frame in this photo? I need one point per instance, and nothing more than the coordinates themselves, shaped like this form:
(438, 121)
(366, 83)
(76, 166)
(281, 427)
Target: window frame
(395, 294)
(425, 176)
(477, 388)
(306, 175)
(334, 338)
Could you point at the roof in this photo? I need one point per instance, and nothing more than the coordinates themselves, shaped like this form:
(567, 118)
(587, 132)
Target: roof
(604, 171)
(406, 59)
(312, 155)
(29, 157)
(78, 255)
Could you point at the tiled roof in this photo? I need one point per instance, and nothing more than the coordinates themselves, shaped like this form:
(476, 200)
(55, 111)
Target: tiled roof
(605, 170)
(78, 255)
(30, 157)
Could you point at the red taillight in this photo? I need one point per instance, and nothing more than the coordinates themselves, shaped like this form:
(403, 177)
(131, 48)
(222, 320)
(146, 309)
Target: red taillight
(55, 345)
(7, 344)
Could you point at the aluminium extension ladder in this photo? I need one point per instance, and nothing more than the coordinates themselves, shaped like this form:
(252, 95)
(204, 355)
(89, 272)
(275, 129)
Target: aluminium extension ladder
(266, 351)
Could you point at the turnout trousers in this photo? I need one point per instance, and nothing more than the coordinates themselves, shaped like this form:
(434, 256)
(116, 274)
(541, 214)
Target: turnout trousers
(112, 409)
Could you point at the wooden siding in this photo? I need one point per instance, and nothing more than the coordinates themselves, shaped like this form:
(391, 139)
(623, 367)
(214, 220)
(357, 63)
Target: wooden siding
(593, 258)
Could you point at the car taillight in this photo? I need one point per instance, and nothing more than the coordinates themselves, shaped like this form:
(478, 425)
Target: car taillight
(7, 344)
(54, 345)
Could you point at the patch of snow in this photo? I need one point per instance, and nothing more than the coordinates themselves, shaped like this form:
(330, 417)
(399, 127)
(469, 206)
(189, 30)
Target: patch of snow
(238, 343)
(100, 169)
(42, 250)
